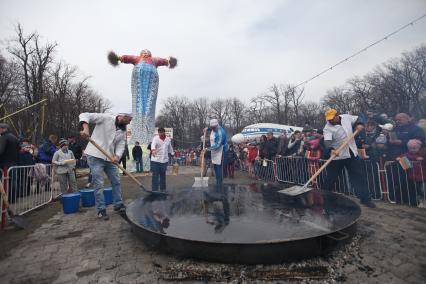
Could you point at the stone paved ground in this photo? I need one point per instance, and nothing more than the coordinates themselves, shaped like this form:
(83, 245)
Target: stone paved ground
(390, 247)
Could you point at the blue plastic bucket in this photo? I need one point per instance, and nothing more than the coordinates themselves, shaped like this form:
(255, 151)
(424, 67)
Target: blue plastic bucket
(108, 195)
(70, 202)
(87, 197)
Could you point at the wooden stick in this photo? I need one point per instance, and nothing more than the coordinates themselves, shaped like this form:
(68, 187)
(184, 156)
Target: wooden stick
(336, 153)
(118, 165)
(11, 121)
(202, 157)
(25, 108)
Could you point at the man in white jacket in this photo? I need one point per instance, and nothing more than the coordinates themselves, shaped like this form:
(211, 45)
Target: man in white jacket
(110, 134)
(336, 130)
(161, 147)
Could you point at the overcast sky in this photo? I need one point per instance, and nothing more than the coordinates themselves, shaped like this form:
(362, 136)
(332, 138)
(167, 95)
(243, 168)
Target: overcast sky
(225, 48)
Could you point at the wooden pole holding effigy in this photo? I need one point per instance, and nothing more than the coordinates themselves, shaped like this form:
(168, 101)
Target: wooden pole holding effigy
(25, 108)
(10, 120)
(42, 120)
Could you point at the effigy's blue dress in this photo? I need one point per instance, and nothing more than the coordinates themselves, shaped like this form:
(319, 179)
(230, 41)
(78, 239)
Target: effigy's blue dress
(144, 89)
(144, 98)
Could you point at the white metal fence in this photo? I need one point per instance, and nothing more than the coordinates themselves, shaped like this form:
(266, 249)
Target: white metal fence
(29, 187)
(298, 170)
(264, 169)
(406, 186)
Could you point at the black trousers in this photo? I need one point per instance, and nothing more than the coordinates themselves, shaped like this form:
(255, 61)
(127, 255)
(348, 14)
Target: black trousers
(123, 161)
(356, 176)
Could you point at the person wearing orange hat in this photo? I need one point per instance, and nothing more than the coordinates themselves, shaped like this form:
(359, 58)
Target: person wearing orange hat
(337, 129)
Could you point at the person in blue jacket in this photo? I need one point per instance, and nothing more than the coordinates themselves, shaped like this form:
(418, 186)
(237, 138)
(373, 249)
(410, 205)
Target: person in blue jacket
(47, 150)
(218, 148)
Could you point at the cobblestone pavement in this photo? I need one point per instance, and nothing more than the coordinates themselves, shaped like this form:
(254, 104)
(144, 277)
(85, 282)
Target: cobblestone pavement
(390, 247)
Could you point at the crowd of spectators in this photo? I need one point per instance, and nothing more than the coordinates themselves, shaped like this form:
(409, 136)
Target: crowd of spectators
(21, 152)
(63, 153)
(382, 138)
(187, 157)
(400, 139)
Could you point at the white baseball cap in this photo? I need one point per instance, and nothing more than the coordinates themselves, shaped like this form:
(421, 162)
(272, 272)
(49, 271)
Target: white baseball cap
(125, 114)
(387, 126)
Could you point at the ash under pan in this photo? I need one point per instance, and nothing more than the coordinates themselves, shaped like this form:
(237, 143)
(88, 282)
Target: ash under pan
(244, 224)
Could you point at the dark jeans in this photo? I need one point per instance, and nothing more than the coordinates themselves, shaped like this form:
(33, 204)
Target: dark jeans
(139, 164)
(123, 161)
(356, 176)
(218, 171)
(225, 164)
(158, 174)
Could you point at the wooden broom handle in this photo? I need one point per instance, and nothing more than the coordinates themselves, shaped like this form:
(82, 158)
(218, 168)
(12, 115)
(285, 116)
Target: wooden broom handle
(118, 164)
(202, 156)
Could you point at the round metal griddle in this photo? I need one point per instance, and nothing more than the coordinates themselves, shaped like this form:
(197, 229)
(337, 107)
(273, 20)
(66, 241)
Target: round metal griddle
(244, 224)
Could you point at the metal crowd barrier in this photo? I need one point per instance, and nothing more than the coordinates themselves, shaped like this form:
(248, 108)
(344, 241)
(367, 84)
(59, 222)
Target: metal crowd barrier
(372, 173)
(388, 182)
(264, 169)
(30, 187)
(292, 169)
(298, 170)
(183, 161)
(406, 186)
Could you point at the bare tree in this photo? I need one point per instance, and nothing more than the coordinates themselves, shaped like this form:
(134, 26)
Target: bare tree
(175, 114)
(60, 99)
(408, 77)
(274, 97)
(295, 96)
(258, 110)
(286, 91)
(340, 99)
(220, 109)
(8, 78)
(36, 76)
(313, 113)
(34, 60)
(236, 112)
(201, 109)
(361, 92)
